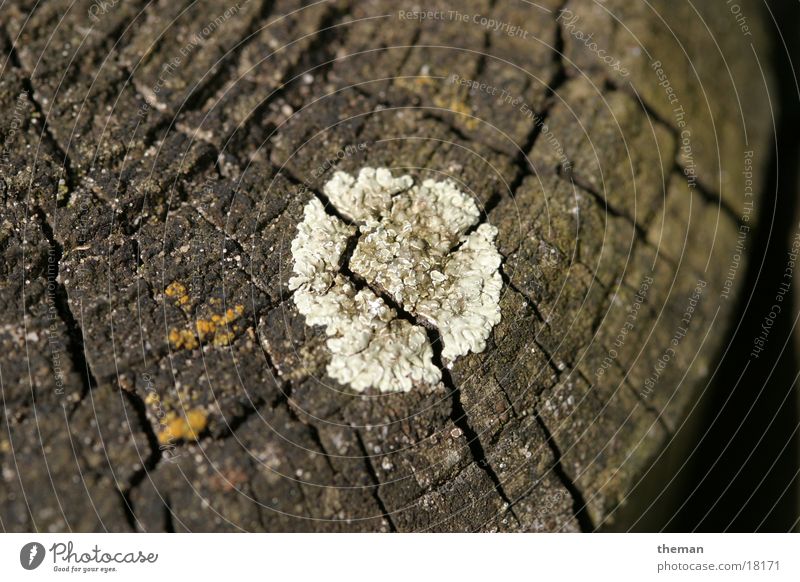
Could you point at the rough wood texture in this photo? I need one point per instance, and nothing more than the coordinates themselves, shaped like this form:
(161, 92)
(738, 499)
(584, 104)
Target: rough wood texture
(142, 195)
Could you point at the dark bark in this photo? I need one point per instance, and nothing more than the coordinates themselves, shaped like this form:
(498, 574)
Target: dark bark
(122, 177)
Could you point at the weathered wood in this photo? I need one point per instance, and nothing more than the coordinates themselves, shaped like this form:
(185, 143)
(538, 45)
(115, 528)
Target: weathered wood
(152, 180)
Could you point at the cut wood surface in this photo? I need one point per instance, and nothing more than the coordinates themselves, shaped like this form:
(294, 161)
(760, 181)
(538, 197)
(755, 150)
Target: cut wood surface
(157, 157)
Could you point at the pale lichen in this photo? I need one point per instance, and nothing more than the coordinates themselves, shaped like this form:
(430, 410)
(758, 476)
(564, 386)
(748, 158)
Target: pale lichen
(415, 248)
(464, 301)
(367, 195)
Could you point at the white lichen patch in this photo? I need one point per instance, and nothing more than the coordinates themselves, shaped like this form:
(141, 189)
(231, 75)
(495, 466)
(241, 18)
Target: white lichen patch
(414, 248)
(366, 196)
(404, 247)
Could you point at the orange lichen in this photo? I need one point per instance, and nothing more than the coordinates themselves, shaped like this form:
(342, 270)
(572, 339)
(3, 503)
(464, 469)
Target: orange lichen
(457, 104)
(177, 291)
(187, 428)
(223, 338)
(213, 330)
(183, 338)
(455, 100)
(205, 328)
(414, 83)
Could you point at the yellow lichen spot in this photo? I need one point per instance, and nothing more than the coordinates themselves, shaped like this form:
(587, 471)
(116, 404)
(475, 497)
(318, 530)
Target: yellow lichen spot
(187, 428)
(183, 338)
(232, 314)
(457, 104)
(177, 291)
(415, 84)
(205, 328)
(223, 338)
(212, 330)
(151, 398)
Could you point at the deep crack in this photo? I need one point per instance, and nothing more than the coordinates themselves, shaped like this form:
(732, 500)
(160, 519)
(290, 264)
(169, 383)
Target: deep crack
(360, 283)
(57, 293)
(577, 181)
(323, 57)
(169, 523)
(540, 119)
(579, 506)
(458, 415)
(204, 90)
(67, 171)
(284, 399)
(706, 193)
(709, 196)
(148, 464)
(376, 483)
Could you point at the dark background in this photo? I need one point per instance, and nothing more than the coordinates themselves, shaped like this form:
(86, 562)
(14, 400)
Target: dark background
(735, 464)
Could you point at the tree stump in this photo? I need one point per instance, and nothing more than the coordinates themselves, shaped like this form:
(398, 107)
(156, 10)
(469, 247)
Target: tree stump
(157, 157)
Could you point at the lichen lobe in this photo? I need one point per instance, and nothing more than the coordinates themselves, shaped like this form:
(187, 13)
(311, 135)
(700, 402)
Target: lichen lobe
(414, 246)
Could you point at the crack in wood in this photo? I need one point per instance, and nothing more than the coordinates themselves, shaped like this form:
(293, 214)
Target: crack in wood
(76, 347)
(375, 482)
(458, 414)
(579, 506)
(148, 464)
